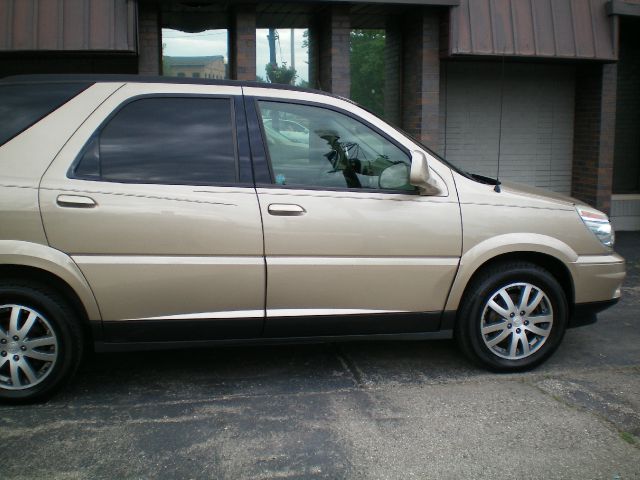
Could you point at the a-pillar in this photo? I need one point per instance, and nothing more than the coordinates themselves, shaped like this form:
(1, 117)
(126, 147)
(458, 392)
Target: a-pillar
(594, 134)
(242, 43)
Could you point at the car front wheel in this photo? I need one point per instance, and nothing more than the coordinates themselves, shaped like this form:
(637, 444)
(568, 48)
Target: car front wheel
(512, 318)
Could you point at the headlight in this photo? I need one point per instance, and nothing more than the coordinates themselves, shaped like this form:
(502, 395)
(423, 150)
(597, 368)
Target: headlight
(598, 223)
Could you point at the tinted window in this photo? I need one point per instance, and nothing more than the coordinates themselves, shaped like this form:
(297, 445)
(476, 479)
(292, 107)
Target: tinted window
(319, 147)
(23, 105)
(165, 140)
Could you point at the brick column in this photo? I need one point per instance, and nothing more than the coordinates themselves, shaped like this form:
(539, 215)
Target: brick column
(594, 134)
(393, 70)
(149, 39)
(331, 59)
(421, 76)
(242, 43)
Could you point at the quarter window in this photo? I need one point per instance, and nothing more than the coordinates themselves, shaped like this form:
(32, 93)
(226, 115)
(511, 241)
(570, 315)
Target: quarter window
(164, 140)
(23, 105)
(318, 147)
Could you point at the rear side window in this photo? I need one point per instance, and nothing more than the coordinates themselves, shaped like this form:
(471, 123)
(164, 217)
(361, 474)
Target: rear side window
(164, 140)
(24, 105)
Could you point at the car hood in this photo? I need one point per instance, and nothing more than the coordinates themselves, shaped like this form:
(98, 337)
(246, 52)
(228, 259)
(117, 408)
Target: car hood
(538, 194)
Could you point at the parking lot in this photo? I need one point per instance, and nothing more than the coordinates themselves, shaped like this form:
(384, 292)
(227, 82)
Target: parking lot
(349, 410)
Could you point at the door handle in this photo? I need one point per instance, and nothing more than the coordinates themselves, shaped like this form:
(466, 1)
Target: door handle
(75, 201)
(286, 209)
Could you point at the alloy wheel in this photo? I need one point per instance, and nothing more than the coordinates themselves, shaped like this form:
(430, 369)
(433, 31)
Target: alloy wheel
(28, 347)
(516, 321)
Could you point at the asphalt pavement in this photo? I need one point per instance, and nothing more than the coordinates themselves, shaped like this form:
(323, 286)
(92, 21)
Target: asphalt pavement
(387, 410)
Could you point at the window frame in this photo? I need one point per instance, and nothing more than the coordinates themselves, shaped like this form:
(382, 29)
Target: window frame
(255, 101)
(71, 174)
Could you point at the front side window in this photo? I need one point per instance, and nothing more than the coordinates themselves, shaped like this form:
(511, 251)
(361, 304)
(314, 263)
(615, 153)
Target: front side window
(318, 147)
(165, 140)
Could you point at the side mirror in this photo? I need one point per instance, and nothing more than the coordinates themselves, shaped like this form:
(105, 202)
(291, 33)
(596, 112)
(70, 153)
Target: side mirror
(420, 176)
(395, 177)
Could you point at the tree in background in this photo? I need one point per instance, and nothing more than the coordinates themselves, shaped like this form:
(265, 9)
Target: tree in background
(280, 74)
(368, 69)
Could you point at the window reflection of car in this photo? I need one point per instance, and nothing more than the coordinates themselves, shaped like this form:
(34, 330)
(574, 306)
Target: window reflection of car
(292, 130)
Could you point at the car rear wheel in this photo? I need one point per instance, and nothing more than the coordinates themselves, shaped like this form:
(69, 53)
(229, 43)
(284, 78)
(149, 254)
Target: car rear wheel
(40, 342)
(512, 318)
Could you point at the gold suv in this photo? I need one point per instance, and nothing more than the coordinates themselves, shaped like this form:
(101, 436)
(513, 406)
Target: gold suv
(140, 213)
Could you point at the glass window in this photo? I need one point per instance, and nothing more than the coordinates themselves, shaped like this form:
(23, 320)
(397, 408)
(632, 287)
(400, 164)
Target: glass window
(23, 105)
(164, 140)
(368, 68)
(282, 56)
(197, 55)
(314, 146)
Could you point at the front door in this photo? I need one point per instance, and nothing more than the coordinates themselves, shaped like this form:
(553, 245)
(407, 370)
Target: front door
(150, 200)
(349, 250)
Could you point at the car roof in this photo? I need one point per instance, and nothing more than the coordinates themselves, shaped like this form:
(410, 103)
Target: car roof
(102, 78)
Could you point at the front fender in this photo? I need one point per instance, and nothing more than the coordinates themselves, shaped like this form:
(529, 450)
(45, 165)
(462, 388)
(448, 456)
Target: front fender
(55, 262)
(482, 252)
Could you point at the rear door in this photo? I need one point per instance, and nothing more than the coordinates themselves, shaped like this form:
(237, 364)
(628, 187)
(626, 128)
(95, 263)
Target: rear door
(153, 199)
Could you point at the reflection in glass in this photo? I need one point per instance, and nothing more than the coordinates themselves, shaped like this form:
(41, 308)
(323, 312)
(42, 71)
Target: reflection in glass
(282, 56)
(169, 141)
(368, 64)
(195, 55)
(320, 147)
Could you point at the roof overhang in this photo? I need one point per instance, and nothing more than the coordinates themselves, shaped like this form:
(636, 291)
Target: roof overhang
(621, 7)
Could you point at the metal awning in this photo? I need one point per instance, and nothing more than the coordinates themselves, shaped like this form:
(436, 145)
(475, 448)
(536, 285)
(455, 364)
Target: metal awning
(563, 29)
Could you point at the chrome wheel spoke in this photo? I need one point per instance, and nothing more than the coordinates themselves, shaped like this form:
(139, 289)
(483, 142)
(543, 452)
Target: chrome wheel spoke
(44, 356)
(13, 321)
(40, 342)
(513, 346)
(537, 330)
(28, 371)
(3, 361)
(534, 304)
(525, 344)
(498, 309)
(15, 375)
(494, 341)
(524, 298)
(28, 324)
(507, 300)
(541, 319)
(494, 327)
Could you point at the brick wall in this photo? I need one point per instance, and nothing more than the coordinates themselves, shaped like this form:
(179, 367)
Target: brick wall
(332, 35)
(242, 43)
(421, 76)
(594, 134)
(149, 40)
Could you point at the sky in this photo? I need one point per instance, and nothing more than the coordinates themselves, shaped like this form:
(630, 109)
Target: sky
(214, 42)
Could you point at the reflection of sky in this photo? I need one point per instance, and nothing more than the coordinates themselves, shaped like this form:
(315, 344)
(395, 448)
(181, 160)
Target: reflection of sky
(214, 42)
(170, 140)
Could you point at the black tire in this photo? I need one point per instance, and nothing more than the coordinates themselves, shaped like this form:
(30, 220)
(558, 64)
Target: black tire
(474, 312)
(61, 320)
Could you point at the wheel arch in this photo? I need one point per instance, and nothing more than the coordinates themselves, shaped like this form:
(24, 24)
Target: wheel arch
(52, 268)
(550, 254)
